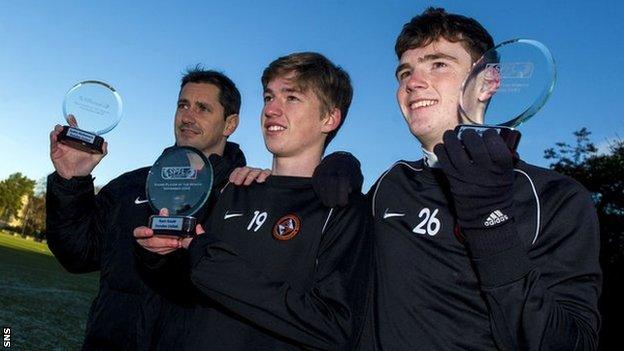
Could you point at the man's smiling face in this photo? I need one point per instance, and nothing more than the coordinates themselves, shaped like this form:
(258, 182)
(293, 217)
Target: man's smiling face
(292, 120)
(430, 79)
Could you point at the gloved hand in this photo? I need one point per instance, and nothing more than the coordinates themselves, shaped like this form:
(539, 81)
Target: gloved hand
(480, 173)
(336, 177)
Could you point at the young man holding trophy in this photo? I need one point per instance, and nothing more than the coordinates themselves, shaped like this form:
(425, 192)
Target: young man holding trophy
(273, 268)
(474, 249)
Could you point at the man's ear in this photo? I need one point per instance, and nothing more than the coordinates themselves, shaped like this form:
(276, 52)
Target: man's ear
(490, 84)
(331, 120)
(231, 122)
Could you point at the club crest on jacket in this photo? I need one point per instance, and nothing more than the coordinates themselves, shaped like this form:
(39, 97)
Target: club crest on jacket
(287, 227)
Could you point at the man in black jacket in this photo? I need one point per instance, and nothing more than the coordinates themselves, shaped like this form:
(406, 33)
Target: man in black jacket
(88, 232)
(474, 250)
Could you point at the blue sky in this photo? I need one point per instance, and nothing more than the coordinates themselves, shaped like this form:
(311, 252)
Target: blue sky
(142, 48)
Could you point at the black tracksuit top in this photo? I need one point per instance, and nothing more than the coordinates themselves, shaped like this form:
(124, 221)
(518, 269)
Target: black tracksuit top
(255, 292)
(88, 233)
(436, 290)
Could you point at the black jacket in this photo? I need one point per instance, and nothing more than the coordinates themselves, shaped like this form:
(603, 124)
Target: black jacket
(88, 232)
(275, 270)
(436, 289)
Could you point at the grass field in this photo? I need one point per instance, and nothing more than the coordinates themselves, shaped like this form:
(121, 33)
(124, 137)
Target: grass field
(45, 307)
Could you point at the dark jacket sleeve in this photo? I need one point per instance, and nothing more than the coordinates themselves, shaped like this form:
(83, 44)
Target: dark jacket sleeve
(324, 315)
(74, 217)
(544, 298)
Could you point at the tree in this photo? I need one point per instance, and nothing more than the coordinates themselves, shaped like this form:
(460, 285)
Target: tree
(12, 190)
(33, 221)
(601, 174)
(33, 215)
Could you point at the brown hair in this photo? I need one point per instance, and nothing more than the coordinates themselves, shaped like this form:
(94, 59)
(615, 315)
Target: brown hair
(434, 23)
(315, 72)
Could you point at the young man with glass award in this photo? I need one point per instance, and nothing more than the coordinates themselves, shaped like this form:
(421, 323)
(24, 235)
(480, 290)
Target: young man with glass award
(275, 269)
(475, 249)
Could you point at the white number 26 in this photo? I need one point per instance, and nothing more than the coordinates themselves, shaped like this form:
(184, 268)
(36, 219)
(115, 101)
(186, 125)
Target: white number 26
(429, 220)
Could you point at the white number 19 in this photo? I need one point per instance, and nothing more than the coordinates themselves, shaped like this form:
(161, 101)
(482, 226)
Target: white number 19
(258, 219)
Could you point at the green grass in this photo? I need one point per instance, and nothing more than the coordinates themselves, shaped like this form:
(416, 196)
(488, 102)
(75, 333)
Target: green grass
(15, 242)
(45, 307)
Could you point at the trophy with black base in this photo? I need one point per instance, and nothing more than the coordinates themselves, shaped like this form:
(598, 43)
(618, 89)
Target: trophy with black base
(180, 181)
(91, 108)
(506, 87)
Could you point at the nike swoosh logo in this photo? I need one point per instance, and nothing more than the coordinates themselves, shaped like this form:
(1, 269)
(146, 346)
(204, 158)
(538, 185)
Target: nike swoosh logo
(392, 214)
(232, 215)
(138, 200)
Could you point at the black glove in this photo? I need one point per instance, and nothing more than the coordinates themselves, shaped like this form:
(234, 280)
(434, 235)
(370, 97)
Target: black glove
(336, 177)
(480, 173)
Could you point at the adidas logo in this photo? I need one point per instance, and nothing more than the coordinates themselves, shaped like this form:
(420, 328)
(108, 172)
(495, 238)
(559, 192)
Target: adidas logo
(495, 217)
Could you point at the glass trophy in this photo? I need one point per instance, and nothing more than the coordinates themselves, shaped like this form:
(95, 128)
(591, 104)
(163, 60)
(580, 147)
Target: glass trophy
(506, 87)
(180, 181)
(91, 108)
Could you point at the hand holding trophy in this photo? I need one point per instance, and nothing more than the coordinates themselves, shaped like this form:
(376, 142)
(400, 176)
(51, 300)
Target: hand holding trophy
(506, 87)
(91, 108)
(180, 181)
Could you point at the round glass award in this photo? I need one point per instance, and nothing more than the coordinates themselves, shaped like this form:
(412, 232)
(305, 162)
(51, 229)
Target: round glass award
(507, 86)
(180, 181)
(91, 108)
